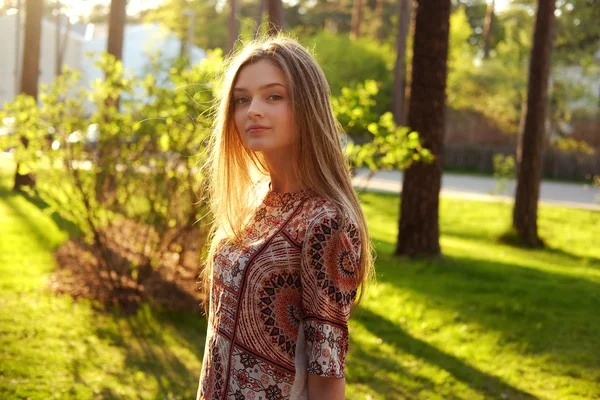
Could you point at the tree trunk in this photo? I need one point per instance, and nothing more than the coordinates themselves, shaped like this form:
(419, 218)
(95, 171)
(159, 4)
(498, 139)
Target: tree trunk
(233, 25)
(57, 37)
(408, 58)
(357, 9)
(30, 70)
(380, 31)
(487, 29)
(259, 16)
(275, 10)
(419, 226)
(398, 96)
(529, 173)
(105, 181)
(64, 45)
(116, 28)
(31, 50)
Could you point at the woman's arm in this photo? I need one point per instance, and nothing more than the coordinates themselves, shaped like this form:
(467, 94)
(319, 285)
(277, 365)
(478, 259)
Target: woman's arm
(326, 388)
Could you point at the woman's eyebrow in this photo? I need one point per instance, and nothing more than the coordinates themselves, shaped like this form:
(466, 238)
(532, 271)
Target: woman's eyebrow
(268, 85)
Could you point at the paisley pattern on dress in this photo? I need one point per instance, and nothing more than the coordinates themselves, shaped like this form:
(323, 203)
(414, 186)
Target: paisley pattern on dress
(296, 270)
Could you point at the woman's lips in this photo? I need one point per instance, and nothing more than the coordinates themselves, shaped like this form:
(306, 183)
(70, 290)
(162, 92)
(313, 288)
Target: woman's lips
(257, 130)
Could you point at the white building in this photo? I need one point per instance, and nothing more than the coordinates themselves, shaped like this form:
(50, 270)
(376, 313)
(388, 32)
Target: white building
(141, 43)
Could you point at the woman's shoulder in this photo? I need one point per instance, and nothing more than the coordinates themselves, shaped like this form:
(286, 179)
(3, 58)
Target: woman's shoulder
(319, 210)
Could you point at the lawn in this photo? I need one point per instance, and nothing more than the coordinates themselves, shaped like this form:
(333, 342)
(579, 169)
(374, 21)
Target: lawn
(486, 321)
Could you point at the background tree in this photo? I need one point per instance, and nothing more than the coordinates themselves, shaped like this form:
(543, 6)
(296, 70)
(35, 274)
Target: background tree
(259, 17)
(30, 70)
(276, 18)
(487, 28)
(577, 29)
(233, 24)
(530, 166)
(398, 96)
(357, 11)
(210, 27)
(116, 27)
(419, 225)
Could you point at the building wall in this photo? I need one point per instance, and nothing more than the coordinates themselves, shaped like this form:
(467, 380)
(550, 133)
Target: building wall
(9, 81)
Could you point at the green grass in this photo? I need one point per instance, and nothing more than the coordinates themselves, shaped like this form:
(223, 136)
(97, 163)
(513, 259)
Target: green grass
(486, 321)
(53, 347)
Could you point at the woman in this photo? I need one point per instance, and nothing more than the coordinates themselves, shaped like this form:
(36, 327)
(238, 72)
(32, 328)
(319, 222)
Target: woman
(290, 248)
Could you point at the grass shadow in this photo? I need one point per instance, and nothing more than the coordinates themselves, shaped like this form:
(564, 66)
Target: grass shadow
(63, 224)
(145, 340)
(537, 311)
(487, 384)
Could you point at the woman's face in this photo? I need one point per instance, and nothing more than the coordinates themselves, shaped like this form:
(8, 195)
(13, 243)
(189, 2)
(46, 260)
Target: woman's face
(263, 111)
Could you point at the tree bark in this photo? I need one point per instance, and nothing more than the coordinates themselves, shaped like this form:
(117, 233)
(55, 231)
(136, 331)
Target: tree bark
(380, 31)
(408, 63)
(529, 171)
(398, 96)
(30, 70)
(419, 226)
(116, 28)
(259, 16)
(487, 29)
(275, 10)
(233, 25)
(357, 9)
(31, 49)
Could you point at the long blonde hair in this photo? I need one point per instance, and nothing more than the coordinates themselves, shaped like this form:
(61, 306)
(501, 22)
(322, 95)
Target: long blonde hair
(233, 171)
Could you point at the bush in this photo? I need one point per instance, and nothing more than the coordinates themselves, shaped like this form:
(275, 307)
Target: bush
(348, 63)
(138, 175)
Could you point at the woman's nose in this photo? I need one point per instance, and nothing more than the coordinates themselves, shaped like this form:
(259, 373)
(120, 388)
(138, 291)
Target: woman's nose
(254, 110)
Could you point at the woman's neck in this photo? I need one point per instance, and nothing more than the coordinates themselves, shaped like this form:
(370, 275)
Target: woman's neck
(281, 171)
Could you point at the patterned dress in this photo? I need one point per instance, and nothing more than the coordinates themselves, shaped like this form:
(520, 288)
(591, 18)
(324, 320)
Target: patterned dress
(280, 302)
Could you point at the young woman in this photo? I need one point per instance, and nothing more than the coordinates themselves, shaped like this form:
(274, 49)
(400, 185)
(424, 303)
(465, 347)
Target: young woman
(290, 248)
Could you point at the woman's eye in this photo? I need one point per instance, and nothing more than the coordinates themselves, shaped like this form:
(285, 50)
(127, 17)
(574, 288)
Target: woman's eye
(275, 97)
(240, 100)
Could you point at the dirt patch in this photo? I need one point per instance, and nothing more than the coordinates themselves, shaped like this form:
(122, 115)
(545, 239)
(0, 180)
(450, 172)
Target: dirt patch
(172, 283)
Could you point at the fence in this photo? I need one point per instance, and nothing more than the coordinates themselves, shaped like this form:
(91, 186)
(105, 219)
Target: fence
(556, 164)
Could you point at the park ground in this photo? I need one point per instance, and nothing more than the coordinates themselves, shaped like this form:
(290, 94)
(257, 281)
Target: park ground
(486, 321)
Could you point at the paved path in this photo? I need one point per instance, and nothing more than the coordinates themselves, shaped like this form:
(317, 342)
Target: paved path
(481, 188)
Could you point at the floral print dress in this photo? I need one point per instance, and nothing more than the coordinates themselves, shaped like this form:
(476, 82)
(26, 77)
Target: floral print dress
(280, 301)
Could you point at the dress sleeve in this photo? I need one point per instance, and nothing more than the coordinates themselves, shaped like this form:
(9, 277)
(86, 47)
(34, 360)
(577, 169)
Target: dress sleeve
(330, 261)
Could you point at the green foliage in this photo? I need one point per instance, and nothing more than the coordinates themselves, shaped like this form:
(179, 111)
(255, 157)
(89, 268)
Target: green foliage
(504, 170)
(493, 87)
(392, 147)
(210, 24)
(475, 11)
(348, 62)
(141, 166)
(573, 145)
(376, 141)
(354, 109)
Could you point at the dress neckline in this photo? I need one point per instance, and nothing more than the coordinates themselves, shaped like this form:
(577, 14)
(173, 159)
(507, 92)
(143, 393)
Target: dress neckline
(281, 199)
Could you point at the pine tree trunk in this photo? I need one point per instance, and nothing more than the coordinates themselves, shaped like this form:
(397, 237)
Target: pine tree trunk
(529, 172)
(116, 28)
(105, 181)
(233, 25)
(30, 70)
(487, 29)
(356, 19)
(259, 17)
(398, 96)
(380, 31)
(275, 9)
(419, 226)
(408, 63)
